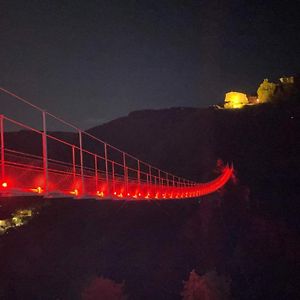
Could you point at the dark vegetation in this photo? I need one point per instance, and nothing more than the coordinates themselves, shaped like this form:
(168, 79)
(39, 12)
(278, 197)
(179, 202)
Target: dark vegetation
(248, 232)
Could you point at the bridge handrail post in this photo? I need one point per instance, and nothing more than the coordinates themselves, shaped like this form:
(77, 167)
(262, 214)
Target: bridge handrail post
(159, 180)
(147, 182)
(125, 173)
(96, 172)
(150, 180)
(73, 165)
(81, 162)
(138, 174)
(113, 178)
(106, 167)
(45, 153)
(2, 148)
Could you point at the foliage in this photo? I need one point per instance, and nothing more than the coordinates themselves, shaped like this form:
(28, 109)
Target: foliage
(210, 286)
(19, 218)
(102, 289)
(266, 91)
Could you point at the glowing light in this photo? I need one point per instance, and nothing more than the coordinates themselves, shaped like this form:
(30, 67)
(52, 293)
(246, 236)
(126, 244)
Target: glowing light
(19, 218)
(235, 100)
(4, 184)
(140, 194)
(115, 193)
(38, 190)
(75, 192)
(100, 194)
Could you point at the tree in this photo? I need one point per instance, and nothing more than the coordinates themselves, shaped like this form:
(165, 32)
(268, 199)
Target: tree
(103, 289)
(210, 286)
(266, 91)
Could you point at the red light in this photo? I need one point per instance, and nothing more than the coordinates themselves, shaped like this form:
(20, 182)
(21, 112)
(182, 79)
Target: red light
(75, 192)
(38, 190)
(100, 194)
(4, 184)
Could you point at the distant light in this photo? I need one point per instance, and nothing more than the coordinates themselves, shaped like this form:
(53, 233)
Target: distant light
(115, 193)
(4, 184)
(100, 194)
(235, 100)
(75, 192)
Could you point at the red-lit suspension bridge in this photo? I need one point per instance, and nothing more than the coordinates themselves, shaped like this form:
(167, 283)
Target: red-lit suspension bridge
(78, 164)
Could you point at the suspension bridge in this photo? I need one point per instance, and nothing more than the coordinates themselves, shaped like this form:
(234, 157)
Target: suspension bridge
(36, 160)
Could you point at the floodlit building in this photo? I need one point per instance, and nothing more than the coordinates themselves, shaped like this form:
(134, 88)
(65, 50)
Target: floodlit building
(235, 100)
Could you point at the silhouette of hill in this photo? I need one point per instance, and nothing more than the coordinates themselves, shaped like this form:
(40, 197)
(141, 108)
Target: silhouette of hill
(261, 141)
(247, 232)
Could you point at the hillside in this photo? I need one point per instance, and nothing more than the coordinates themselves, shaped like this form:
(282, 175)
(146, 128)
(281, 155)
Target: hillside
(244, 240)
(261, 141)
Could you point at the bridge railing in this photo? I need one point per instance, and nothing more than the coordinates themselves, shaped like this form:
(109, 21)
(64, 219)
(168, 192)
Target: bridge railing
(39, 160)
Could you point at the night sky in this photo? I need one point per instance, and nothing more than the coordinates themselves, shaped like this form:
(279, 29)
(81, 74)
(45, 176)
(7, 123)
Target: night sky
(93, 61)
